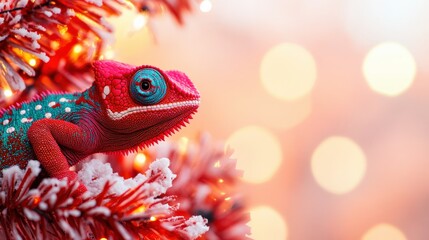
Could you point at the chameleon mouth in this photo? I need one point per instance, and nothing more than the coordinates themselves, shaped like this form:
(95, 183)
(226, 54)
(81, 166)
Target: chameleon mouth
(158, 107)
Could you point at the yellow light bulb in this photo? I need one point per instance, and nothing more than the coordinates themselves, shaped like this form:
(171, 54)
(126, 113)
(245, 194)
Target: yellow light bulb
(77, 48)
(32, 62)
(8, 93)
(139, 161)
(140, 21)
(140, 209)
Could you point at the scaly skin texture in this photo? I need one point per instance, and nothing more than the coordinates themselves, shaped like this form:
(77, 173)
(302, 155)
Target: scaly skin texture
(126, 108)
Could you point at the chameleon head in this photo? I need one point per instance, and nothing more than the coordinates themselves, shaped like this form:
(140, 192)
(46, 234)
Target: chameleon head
(144, 98)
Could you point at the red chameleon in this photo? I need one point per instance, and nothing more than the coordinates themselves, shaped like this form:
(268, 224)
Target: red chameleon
(126, 108)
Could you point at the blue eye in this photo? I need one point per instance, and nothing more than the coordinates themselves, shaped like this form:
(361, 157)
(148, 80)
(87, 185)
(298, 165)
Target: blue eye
(148, 86)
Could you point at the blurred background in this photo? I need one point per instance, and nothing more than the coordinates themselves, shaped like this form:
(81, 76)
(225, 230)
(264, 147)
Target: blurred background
(324, 102)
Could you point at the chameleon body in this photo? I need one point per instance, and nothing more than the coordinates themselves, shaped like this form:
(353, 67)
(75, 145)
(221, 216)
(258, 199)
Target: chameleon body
(126, 108)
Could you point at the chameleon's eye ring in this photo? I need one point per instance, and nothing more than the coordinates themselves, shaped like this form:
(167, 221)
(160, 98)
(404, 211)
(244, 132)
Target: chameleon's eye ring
(148, 86)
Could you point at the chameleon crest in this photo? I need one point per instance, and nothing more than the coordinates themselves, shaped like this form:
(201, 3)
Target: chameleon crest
(126, 108)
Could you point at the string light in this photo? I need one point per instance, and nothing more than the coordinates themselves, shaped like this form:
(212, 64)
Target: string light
(206, 6)
(152, 219)
(77, 48)
(139, 161)
(32, 62)
(140, 21)
(183, 144)
(108, 54)
(7, 93)
(217, 164)
(140, 209)
(36, 200)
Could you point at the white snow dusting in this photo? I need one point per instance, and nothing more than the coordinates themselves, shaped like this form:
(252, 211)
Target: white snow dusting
(196, 226)
(95, 174)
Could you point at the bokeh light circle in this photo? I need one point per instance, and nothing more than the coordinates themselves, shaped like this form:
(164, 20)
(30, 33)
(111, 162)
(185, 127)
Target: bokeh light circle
(384, 231)
(258, 153)
(389, 68)
(288, 71)
(206, 6)
(338, 164)
(266, 223)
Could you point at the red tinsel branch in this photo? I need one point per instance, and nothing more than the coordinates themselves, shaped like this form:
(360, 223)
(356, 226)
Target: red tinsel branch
(206, 185)
(48, 212)
(50, 30)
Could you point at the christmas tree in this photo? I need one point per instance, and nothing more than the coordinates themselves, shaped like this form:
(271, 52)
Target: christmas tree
(51, 45)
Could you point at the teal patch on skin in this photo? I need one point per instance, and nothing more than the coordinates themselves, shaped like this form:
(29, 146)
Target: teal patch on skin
(15, 123)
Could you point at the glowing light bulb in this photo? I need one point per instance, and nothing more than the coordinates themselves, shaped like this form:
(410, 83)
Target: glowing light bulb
(389, 68)
(140, 21)
(338, 164)
(288, 71)
(258, 153)
(139, 161)
(140, 209)
(384, 231)
(206, 6)
(32, 62)
(217, 164)
(275, 228)
(77, 49)
(183, 144)
(152, 218)
(109, 54)
(7, 93)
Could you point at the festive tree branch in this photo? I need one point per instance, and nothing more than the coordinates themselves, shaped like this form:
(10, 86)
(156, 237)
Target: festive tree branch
(206, 185)
(50, 44)
(113, 208)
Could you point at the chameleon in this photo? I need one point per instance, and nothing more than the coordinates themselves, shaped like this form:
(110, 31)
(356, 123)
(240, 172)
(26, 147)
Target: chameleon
(126, 108)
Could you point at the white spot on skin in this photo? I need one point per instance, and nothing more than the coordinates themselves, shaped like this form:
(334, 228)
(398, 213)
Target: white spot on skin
(106, 92)
(38, 107)
(67, 109)
(22, 112)
(10, 130)
(48, 115)
(63, 100)
(51, 104)
(5, 122)
(26, 120)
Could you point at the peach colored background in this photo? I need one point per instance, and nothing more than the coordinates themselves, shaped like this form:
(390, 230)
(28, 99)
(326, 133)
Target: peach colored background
(222, 51)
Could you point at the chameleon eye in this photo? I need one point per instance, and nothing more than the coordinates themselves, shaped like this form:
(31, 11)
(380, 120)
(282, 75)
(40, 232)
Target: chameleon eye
(148, 86)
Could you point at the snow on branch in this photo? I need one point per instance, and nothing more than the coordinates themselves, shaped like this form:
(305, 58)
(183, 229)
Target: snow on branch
(112, 208)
